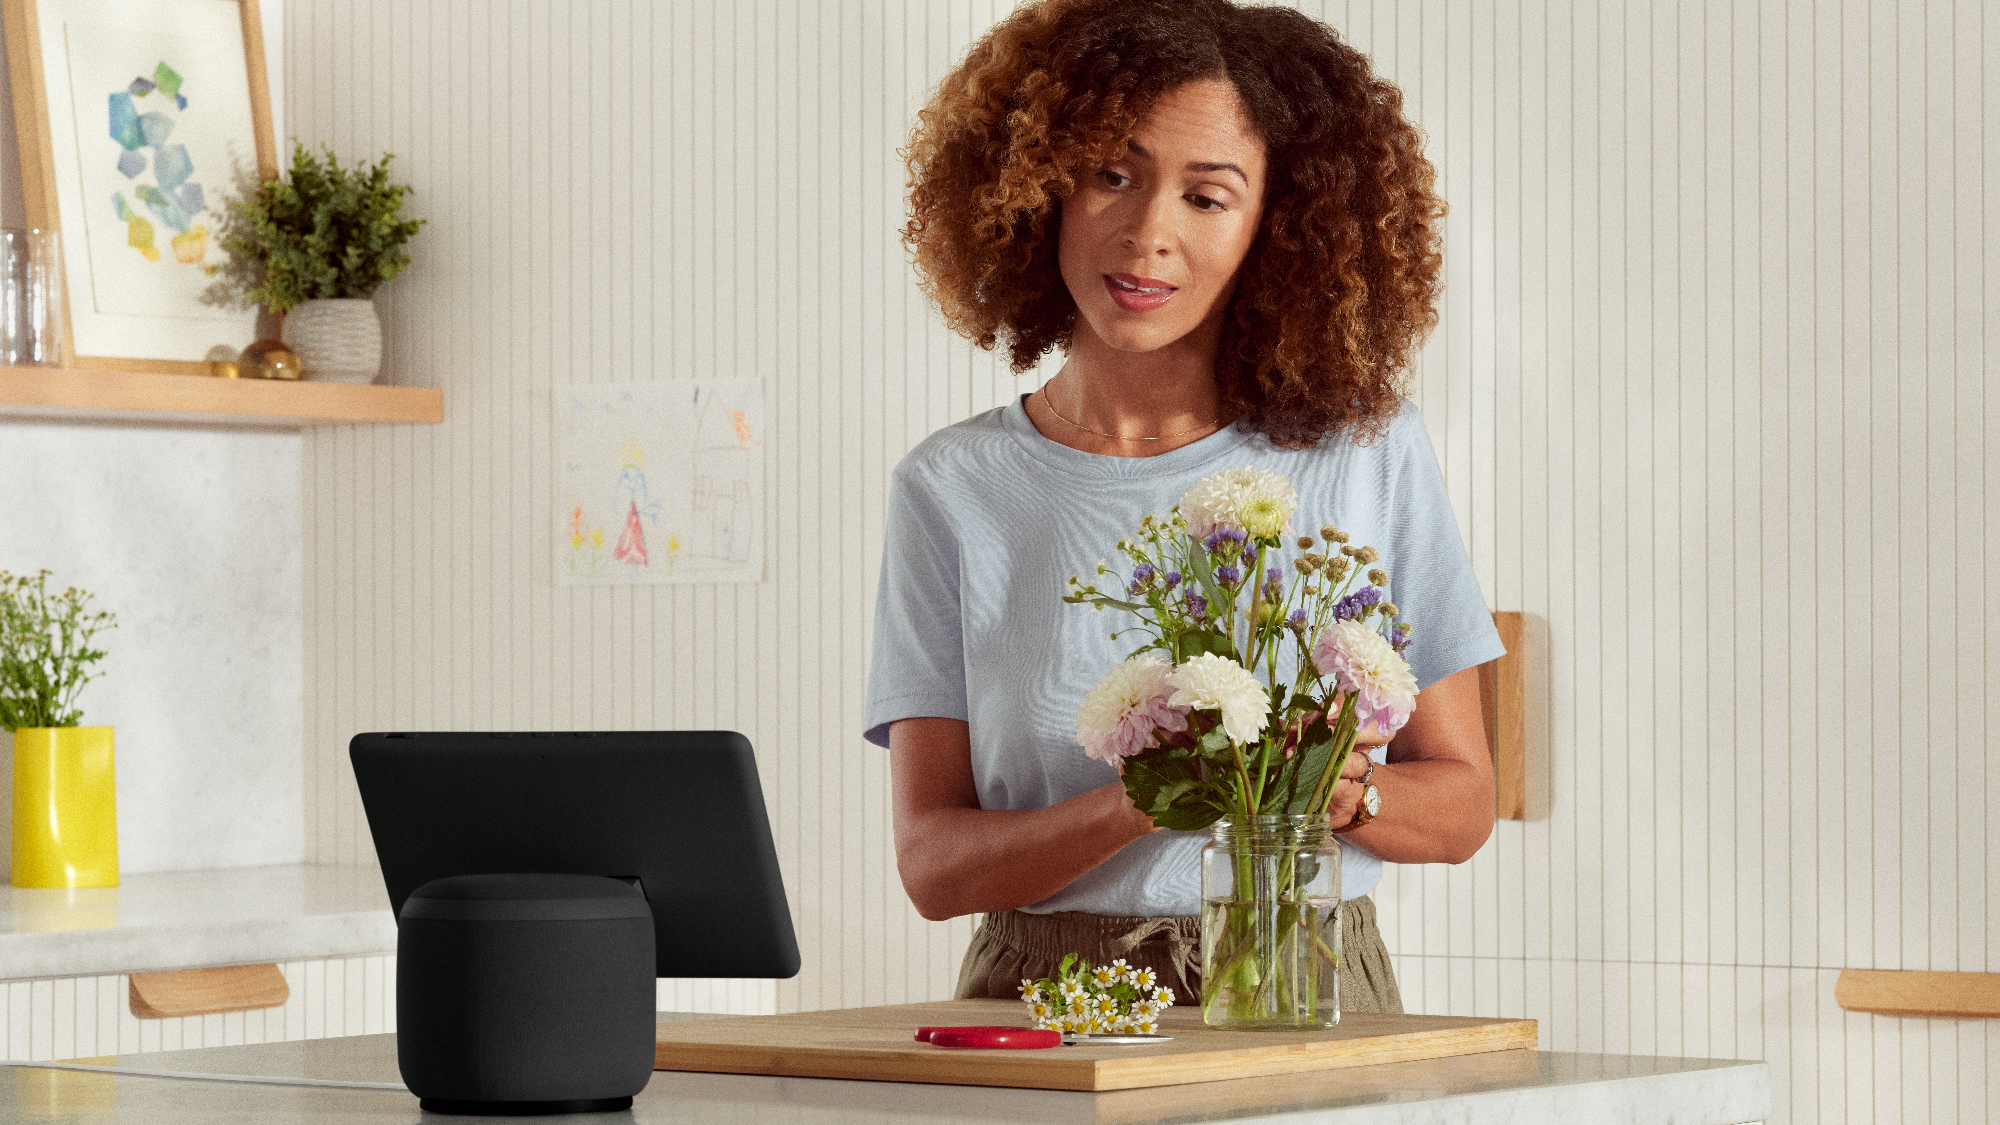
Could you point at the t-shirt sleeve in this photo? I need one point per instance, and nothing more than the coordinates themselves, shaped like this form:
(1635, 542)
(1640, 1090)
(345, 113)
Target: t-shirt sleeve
(1430, 575)
(918, 665)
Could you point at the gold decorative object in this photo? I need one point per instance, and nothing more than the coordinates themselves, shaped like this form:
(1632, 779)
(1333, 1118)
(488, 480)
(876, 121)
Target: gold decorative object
(268, 359)
(223, 369)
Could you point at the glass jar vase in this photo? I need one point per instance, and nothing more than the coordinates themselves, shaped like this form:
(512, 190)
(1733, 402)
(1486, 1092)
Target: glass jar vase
(1270, 936)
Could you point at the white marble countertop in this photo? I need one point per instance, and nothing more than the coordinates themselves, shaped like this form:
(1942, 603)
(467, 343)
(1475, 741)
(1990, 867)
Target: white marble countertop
(192, 919)
(1516, 1087)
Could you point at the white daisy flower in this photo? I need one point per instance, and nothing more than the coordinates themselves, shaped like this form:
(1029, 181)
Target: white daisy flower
(1212, 682)
(1248, 499)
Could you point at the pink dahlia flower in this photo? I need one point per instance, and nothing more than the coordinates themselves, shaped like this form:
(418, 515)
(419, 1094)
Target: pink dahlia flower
(1119, 715)
(1365, 665)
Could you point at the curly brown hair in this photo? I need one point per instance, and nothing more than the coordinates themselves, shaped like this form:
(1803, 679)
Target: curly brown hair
(1340, 286)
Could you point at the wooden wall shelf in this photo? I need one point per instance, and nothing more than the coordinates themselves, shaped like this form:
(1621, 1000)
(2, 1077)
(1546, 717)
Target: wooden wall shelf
(1500, 696)
(1895, 992)
(140, 396)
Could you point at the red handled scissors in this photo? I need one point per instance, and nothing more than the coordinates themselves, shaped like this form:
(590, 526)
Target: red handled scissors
(1020, 1037)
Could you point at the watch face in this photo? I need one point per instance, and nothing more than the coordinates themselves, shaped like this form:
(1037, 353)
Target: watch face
(1371, 799)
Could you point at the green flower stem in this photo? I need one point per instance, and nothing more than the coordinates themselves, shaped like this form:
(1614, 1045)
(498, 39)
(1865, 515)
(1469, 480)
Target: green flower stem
(1343, 737)
(1255, 578)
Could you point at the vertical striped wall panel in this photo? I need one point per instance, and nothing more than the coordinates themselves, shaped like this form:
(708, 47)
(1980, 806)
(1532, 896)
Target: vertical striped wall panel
(1711, 395)
(85, 1017)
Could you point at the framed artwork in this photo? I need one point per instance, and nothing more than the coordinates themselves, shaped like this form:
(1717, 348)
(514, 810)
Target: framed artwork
(138, 119)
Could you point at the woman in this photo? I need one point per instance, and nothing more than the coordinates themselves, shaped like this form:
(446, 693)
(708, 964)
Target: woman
(1222, 220)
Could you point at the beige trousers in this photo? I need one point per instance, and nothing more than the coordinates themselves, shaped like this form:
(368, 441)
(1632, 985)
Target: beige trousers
(1011, 946)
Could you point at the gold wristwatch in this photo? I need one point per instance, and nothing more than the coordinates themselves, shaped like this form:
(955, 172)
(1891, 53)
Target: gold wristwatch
(1371, 799)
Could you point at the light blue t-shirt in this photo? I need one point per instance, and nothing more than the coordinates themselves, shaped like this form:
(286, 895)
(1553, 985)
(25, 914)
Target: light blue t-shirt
(987, 519)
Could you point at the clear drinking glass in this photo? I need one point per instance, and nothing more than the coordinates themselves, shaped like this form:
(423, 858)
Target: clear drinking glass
(31, 297)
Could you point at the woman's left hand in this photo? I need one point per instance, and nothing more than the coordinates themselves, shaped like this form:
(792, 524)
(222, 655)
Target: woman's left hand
(1436, 782)
(1368, 747)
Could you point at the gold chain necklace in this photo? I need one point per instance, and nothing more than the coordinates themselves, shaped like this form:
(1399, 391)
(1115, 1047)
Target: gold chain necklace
(1049, 401)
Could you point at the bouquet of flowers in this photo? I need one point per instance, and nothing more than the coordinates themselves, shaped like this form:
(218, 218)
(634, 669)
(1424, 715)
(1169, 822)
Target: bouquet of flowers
(1209, 719)
(1114, 999)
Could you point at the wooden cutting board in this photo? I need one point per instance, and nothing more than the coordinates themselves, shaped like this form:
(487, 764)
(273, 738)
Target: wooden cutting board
(877, 1044)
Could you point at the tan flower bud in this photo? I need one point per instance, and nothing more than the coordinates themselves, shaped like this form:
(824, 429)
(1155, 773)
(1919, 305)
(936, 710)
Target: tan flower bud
(1314, 560)
(1379, 577)
(1350, 551)
(1337, 570)
(1368, 555)
(1332, 533)
(1304, 567)
(1389, 609)
(1305, 542)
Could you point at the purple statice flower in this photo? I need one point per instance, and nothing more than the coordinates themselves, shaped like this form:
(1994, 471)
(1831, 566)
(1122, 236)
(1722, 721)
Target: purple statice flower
(1298, 618)
(1142, 577)
(1223, 541)
(1250, 556)
(1353, 604)
(1399, 637)
(1197, 606)
(1274, 583)
(1227, 576)
(1173, 579)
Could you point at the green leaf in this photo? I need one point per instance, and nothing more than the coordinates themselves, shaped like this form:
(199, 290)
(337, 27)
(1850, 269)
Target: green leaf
(1308, 764)
(1165, 796)
(1188, 817)
(1214, 746)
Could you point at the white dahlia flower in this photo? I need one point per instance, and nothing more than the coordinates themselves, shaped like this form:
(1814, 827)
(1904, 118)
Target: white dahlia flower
(1257, 501)
(1213, 682)
(1364, 664)
(1117, 718)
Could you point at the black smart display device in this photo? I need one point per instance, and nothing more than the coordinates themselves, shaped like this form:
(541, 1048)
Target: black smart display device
(541, 881)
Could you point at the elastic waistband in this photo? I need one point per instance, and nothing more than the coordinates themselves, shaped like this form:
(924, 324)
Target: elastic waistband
(1053, 935)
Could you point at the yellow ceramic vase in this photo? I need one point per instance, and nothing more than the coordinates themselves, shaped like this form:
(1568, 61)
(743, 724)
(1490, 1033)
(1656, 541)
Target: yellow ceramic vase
(65, 808)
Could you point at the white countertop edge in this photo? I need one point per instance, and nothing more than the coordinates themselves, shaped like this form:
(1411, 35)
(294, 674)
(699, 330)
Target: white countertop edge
(1729, 1093)
(143, 949)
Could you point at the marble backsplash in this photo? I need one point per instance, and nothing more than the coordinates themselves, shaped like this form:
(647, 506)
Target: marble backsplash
(191, 535)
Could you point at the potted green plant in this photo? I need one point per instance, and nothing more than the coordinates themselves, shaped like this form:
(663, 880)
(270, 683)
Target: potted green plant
(325, 238)
(65, 800)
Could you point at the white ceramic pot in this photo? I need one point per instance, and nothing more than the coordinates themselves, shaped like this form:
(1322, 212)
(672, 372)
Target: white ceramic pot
(338, 340)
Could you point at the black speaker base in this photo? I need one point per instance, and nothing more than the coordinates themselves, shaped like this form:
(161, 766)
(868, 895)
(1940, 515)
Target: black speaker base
(526, 1109)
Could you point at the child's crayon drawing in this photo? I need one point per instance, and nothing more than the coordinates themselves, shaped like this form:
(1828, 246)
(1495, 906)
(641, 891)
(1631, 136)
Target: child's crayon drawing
(670, 474)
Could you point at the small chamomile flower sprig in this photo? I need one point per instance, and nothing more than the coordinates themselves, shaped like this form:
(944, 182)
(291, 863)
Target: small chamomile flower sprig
(1114, 999)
